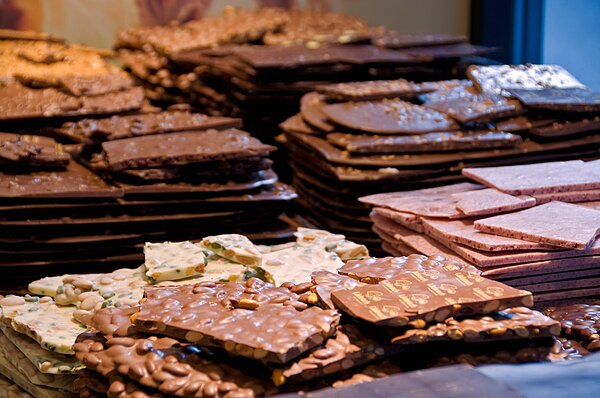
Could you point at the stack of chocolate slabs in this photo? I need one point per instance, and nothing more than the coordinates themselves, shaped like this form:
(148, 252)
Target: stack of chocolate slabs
(533, 226)
(258, 71)
(356, 139)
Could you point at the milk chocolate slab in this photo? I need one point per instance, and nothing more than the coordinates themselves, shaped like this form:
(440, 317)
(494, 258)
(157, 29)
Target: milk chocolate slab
(95, 85)
(510, 324)
(407, 220)
(389, 117)
(497, 79)
(20, 102)
(523, 123)
(396, 40)
(375, 270)
(559, 99)
(325, 282)
(182, 148)
(463, 232)
(375, 90)
(266, 328)
(311, 110)
(490, 201)
(581, 321)
(555, 224)
(296, 124)
(569, 197)
(146, 359)
(551, 177)
(428, 295)
(477, 108)
(428, 202)
(117, 127)
(565, 128)
(429, 142)
(74, 182)
(31, 150)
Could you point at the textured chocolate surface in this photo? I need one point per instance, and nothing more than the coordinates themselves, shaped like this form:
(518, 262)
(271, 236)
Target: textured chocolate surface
(31, 150)
(478, 108)
(324, 282)
(95, 85)
(560, 99)
(581, 321)
(182, 148)
(270, 323)
(118, 127)
(375, 90)
(428, 295)
(389, 117)
(490, 201)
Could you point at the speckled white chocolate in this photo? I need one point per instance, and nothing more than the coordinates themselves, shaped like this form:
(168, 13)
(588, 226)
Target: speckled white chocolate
(22, 363)
(217, 269)
(48, 286)
(12, 373)
(297, 263)
(51, 326)
(45, 361)
(170, 261)
(8, 389)
(234, 247)
(336, 243)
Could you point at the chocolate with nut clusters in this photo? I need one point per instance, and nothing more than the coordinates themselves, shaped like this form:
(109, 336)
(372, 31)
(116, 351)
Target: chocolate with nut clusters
(512, 323)
(89, 131)
(579, 321)
(29, 151)
(428, 295)
(375, 270)
(182, 148)
(271, 324)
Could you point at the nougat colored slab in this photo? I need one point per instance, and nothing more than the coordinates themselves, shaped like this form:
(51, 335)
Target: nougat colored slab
(569, 197)
(389, 117)
(428, 295)
(269, 322)
(407, 220)
(539, 178)
(173, 260)
(234, 247)
(490, 201)
(555, 224)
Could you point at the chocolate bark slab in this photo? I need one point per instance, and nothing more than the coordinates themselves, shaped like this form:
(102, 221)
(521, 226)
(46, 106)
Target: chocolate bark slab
(289, 329)
(569, 197)
(311, 110)
(555, 224)
(490, 201)
(450, 90)
(31, 150)
(478, 108)
(389, 117)
(428, 295)
(396, 40)
(510, 324)
(324, 282)
(74, 182)
(375, 90)
(407, 220)
(581, 321)
(463, 232)
(95, 85)
(496, 79)
(559, 99)
(447, 51)
(429, 142)
(295, 124)
(182, 148)
(565, 128)
(117, 127)
(574, 175)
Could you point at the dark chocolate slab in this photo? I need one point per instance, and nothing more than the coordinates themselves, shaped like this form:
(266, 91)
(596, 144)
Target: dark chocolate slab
(375, 90)
(393, 39)
(31, 150)
(559, 99)
(478, 108)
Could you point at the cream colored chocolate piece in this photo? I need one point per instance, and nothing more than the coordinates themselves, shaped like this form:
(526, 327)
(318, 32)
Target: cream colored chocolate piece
(24, 365)
(335, 243)
(217, 269)
(171, 261)
(8, 389)
(45, 361)
(48, 286)
(297, 263)
(51, 326)
(234, 247)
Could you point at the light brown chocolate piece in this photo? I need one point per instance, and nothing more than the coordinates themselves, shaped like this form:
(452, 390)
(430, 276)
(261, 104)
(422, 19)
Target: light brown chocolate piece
(271, 324)
(490, 201)
(311, 110)
(31, 151)
(110, 322)
(324, 282)
(389, 117)
(574, 175)
(567, 350)
(554, 224)
(428, 295)
(370, 373)
(510, 324)
(95, 85)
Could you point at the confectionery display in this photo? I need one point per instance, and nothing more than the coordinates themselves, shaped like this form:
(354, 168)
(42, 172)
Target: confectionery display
(357, 139)
(278, 202)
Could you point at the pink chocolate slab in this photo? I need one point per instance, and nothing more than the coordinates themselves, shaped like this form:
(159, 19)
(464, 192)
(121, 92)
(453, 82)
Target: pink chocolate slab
(490, 201)
(542, 267)
(555, 224)
(582, 283)
(538, 178)
(568, 294)
(554, 277)
(463, 232)
(571, 197)
(407, 220)
(431, 202)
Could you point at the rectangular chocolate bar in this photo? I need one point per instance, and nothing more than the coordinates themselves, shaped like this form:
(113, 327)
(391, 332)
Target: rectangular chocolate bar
(182, 148)
(428, 295)
(270, 323)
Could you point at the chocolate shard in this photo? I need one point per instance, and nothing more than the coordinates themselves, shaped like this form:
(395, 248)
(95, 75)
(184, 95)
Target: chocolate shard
(31, 151)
